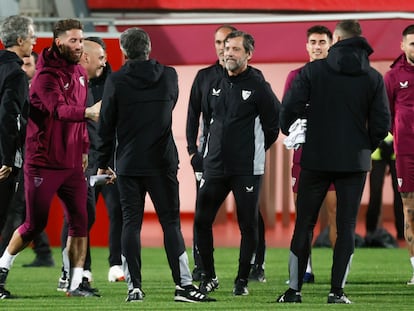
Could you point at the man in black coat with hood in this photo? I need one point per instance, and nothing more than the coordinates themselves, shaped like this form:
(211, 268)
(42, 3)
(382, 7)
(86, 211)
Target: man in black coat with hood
(344, 101)
(137, 106)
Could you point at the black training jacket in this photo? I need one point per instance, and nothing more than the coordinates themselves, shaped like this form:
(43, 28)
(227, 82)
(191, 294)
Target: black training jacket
(346, 106)
(137, 107)
(244, 124)
(13, 106)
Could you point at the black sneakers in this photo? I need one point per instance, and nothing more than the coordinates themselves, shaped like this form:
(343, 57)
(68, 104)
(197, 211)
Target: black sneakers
(4, 293)
(81, 292)
(3, 276)
(135, 295)
(208, 285)
(257, 274)
(86, 285)
(308, 277)
(290, 296)
(197, 274)
(240, 288)
(84, 290)
(334, 298)
(190, 293)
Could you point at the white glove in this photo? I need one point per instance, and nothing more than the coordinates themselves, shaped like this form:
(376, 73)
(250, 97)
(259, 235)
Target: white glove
(297, 134)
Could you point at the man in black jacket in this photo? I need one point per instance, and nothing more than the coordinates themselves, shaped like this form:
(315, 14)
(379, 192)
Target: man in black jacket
(18, 37)
(244, 124)
(197, 132)
(344, 101)
(137, 107)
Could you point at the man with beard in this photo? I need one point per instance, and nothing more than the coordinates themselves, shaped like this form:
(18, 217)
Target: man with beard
(93, 60)
(398, 82)
(56, 150)
(244, 124)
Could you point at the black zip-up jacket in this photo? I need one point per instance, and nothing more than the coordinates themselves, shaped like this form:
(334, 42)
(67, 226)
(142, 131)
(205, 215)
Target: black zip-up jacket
(198, 106)
(346, 106)
(13, 106)
(244, 124)
(137, 105)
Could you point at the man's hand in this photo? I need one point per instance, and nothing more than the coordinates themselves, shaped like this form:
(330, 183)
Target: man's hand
(84, 161)
(196, 161)
(110, 172)
(5, 172)
(93, 111)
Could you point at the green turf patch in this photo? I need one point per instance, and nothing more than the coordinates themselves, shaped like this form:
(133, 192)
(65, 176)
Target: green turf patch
(377, 281)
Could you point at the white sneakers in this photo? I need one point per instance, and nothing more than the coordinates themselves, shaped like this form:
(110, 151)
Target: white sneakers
(116, 274)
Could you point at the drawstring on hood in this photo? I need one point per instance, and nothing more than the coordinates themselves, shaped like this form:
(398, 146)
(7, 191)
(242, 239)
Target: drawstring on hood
(350, 56)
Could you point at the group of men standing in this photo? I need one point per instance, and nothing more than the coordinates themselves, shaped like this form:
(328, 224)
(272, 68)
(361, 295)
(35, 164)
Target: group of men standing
(341, 97)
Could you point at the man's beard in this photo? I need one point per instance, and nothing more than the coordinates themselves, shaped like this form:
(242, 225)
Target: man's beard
(233, 65)
(68, 54)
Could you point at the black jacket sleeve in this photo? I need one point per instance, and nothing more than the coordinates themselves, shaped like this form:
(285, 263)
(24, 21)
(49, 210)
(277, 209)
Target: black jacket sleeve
(13, 98)
(193, 115)
(295, 100)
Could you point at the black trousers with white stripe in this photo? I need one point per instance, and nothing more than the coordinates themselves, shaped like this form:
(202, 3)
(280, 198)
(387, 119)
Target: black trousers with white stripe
(313, 186)
(212, 193)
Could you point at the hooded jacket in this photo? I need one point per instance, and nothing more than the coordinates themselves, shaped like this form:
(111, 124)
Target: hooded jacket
(56, 130)
(137, 107)
(345, 103)
(244, 124)
(399, 82)
(13, 103)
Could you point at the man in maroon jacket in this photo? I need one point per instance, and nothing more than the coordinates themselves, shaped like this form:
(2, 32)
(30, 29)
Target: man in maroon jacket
(399, 82)
(56, 150)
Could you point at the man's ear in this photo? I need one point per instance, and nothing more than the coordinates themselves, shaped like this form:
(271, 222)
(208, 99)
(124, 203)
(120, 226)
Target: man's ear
(19, 41)
(57, 42)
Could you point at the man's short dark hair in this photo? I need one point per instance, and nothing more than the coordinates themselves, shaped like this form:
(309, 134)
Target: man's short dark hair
(64, 25)
(349, 28)
(248, 41)
(319, 29)
(135, 44)
(409, 30)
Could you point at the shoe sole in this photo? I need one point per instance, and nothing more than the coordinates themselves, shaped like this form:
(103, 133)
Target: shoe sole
(184, 299)
(135, 300)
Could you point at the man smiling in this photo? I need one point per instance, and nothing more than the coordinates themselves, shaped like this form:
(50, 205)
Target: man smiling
(56, 150)
(244, 125)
